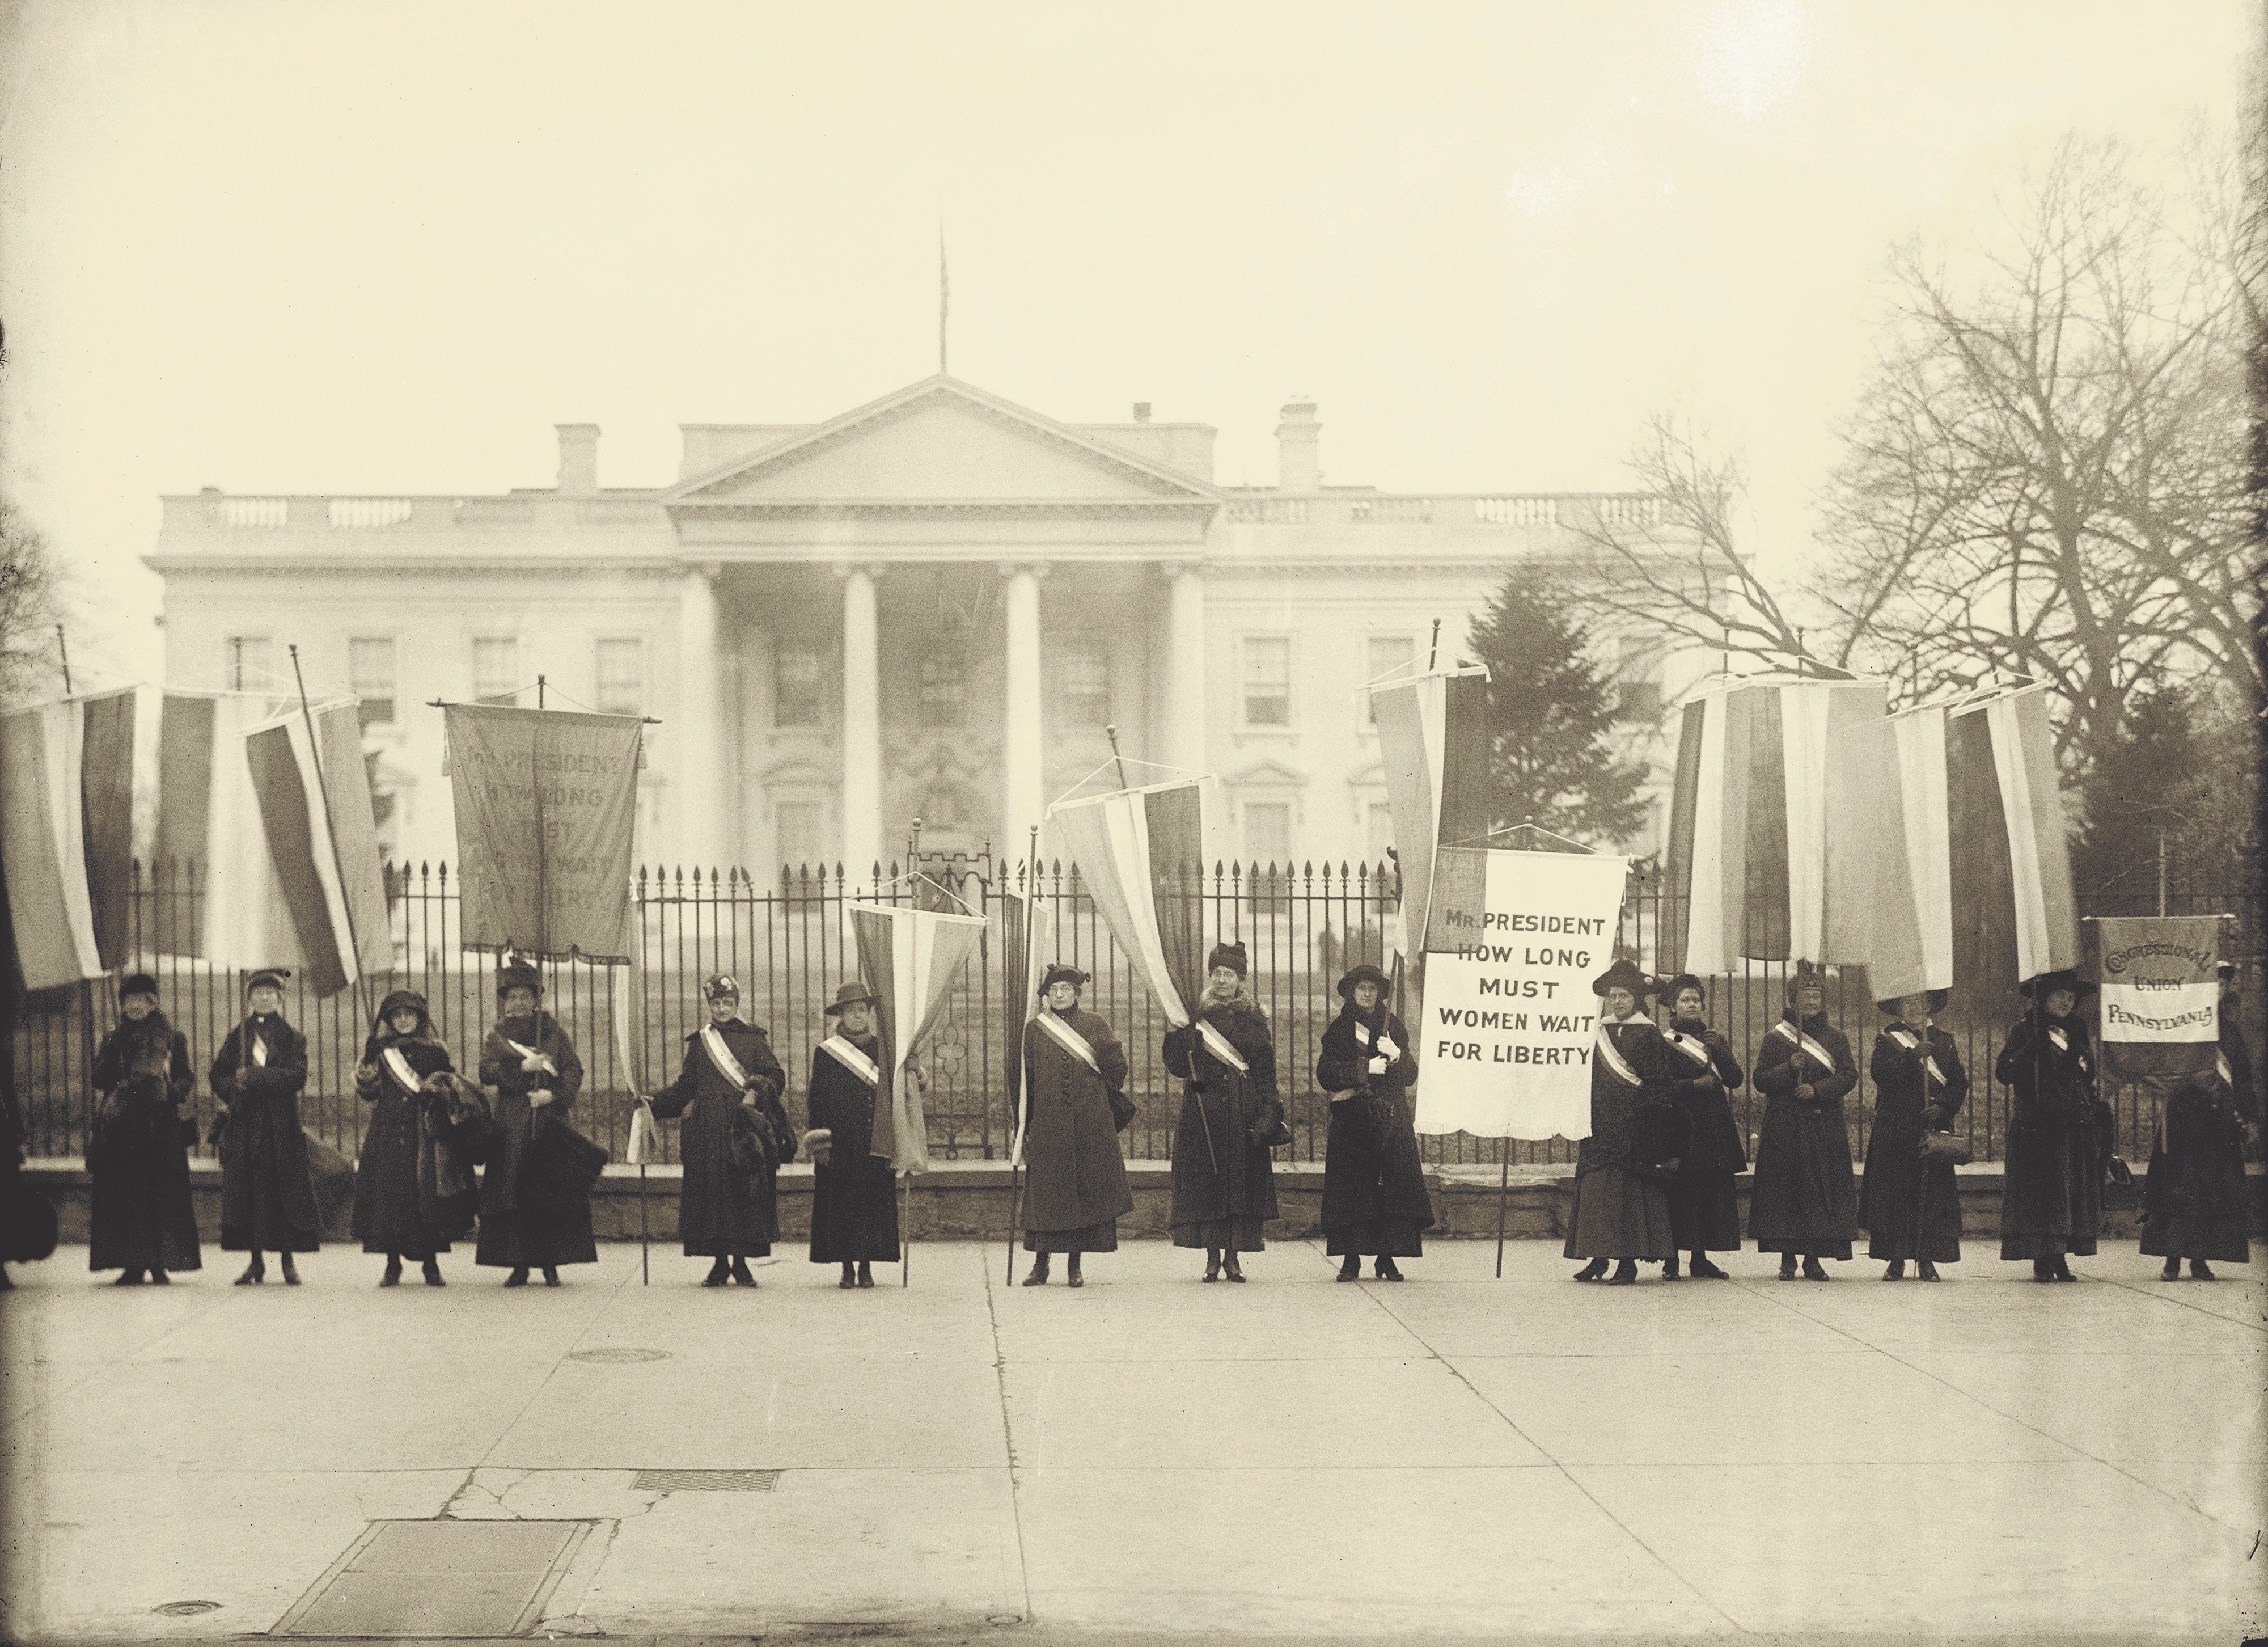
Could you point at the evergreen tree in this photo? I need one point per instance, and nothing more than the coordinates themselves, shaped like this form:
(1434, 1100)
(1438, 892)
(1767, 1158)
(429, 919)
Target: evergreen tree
(1551, 722)
(2182, 768)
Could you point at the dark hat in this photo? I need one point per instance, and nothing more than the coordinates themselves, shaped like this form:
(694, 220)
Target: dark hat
(1231, 955)
(851, 994)
(1937, 1000)
(1623, 974)
(270, 977)
(400, 1001)
(1804, 972)
(2227, 970)
(518, 975)
(2047, 983)
(1364, 974)
(1058, 973)
(136, 984)
(719, 986)
(1680, 984)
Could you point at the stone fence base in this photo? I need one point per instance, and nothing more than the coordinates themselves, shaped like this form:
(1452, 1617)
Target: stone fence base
(966, 1201)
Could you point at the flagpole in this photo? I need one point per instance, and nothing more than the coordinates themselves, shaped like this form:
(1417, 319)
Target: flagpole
(1023, 1051)
(1503, 1192)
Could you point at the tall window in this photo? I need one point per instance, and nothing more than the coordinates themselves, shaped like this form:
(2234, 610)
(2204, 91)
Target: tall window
(496, 670)
(1267, 681)
(1387, 653)
(1086, 677)
(944, 687)
(620, 676)
(1268, 831)
(369, 668)
(799, 832)
(246, 666)
(795, 685)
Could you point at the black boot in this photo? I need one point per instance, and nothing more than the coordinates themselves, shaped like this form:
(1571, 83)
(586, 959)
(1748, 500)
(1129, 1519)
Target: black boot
(1351, 1269)
(1071, 1277)
(433, 1273)
(1669, 1267)
(1625, 1273)
(1812, 1269)
(128, 1278)
(393, 1276)
(1592, 1271)
(1895, 1271)
(1928, 1271)
(254, 1273)
(1702, 1269)
(740, 1271)
(1787, 1267)
(717, 1273)
(2173, 1270)
(2043, 1270)
(518, 1278)
(866, 1273)
(1039, 1276)
(849, 1277)
(2063, 1270)
(2198, 1270)
(550, 1277)
(1385, 1270)
(290, 1275)
(158, 1278)
(1213, 1263)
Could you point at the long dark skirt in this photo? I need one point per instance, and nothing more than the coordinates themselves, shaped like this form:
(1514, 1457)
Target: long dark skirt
(1805, 1201)
(1619, 1214)
(528, 1239)
(1236, 1235)
(387, 1215)
(1705, 1213)
(854, 1214)
(2051, 1194)
(143, 1217)
(2196, 1194)
(1381, 1238)
(1096, 1237)
(1910, 1210)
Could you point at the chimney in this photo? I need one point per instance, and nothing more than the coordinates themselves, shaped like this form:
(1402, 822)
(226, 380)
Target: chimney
(1297, 462)
(1141, 411)
(578, 459)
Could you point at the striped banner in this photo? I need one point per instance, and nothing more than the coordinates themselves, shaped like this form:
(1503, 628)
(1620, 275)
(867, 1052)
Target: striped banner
(1027, 961)
(315, 808)
(106, 801)
(909, 958)
(208, 817)
(1432, 743)
(43, 844)
(2160, 1006)
(2008, 866)
(1774, 823)
(1139, 852)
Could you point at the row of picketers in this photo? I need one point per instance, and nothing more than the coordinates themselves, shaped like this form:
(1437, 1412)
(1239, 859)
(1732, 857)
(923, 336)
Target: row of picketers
(1657, 1178)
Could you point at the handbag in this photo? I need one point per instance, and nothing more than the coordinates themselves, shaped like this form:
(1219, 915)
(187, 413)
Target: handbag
(1274, 1136)
(1936, 1146)
(1122, 1112)
(558, 1168)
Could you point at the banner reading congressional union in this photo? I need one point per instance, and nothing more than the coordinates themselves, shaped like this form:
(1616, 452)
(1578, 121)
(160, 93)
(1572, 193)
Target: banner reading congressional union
(545, 805)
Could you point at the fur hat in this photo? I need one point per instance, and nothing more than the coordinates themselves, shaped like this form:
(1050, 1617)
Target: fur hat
(850, 995)
(401, 1001)
(518, 975)
(137, 984)
(1059, 974)
(1364, 974)
(720, 987)
(1623, 974)
(1802, 973)
(1894, 1006)
(1231, 955)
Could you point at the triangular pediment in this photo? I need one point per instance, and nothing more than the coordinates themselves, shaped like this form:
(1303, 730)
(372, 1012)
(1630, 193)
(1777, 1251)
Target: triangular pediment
(940, 440)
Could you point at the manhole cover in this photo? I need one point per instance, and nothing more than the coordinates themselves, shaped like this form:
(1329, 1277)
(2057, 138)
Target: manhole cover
(706, 1481)
(187, 1609)
(447, 1578)
(619, 1358)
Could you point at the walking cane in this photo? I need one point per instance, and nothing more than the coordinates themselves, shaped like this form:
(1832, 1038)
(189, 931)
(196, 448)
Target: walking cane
(646, 1271)
(1503, 1189)
(905, 1229)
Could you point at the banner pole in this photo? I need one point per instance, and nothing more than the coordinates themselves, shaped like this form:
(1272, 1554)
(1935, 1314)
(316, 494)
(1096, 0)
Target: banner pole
(1503, 1190)
(905, 1229)
(645, 1251)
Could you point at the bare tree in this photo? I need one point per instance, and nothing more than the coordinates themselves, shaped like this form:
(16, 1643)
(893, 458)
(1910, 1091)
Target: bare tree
(2046, 475)
(31, 594)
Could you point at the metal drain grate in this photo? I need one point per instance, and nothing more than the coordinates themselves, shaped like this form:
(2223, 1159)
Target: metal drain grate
(445, 1578)
(706, 1481)
(187, 1609)
(618, 1357)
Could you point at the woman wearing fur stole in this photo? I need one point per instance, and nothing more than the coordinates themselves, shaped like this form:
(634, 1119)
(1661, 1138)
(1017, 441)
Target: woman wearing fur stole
(531, 1063)
(408, 1202)
(1374, 1199)
(266, 1190)
(138, 1152)
(1224, 1180)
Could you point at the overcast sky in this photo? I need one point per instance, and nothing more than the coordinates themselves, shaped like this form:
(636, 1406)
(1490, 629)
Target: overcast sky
(383, 247)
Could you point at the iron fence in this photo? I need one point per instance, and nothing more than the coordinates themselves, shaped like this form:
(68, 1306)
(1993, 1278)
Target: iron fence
(787, 944)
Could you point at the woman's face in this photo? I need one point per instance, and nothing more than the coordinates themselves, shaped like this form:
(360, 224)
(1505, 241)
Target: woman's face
(404, 1021)
(1365, 995)
(1619, 1002)
(2061, 1002)
(723, 1006)
(1688, 1004)
(267, 1000)
(1225, 981)
(519, 1002)
(857, 1019)
(1914, 1009)
(1810, 1000)
(138, 1006)
(1063, 996)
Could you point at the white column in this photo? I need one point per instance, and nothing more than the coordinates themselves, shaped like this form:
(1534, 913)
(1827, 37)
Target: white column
(1184, 742)
(862, 724)
(1024, 800)
(696, 738)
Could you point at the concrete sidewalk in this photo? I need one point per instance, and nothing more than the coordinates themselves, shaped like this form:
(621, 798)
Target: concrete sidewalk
(1145, 1458)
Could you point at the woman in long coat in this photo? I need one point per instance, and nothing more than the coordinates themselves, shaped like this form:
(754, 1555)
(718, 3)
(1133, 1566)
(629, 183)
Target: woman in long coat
(267, 1191)
(854, 1201)
(392, 1213)
(734, 1138)
(2196, 1194)
(1908, 1207)
(2051, 1177)
(1621, 1212)
(143, 1216)
(531, 1063)
(1223, 1178)
(1075, 1184)
(1805, 1204)
(1704, 1208)
(1374, 1199)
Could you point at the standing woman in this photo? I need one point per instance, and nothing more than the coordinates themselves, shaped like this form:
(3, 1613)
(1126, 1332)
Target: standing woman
(1704, 1209)
(1911, 1208)
(143, 1216)
(1805, 1204)
(1224, 1179)
(1076, 1073)
(392, 1213)
(2051, 1178)
(1374, 1199)
(1620, 1212)
(2196, 1193)
(854, 1202)
(267, 1192)
(734, 1138)
(531, 1063)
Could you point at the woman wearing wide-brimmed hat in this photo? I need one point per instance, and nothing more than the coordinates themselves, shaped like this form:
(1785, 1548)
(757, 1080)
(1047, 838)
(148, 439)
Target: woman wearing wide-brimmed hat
(1622, 1207)
(1374, 1199)
(408, 1202)
(2051, 1173)
(1805, 1204)
(1910, 1206)
(137, 1155)
(854, 1203)
(267, 1188)
(734, 1138)
(1075, 1187)
(528, 1057)
(2196, 1196)
(1223, 1178)
(1704, 1208)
